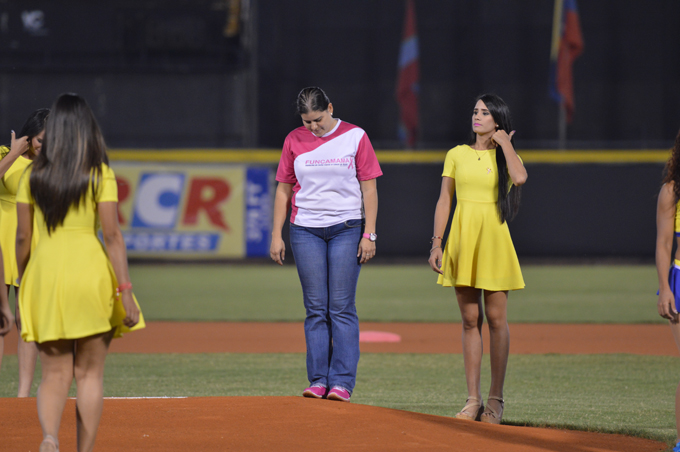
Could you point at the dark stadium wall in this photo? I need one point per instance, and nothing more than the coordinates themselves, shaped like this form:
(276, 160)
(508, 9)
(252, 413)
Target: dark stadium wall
(139, 110)
(626, 84)
(583, 211)
(155, 84)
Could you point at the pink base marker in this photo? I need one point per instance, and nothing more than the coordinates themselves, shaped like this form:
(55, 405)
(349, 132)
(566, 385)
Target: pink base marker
(378, 336)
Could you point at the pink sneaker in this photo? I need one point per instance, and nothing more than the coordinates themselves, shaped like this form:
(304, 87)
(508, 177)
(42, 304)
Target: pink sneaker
(315, 392)
(339, 393)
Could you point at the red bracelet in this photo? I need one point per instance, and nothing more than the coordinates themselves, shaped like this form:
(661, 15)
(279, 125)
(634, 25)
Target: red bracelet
(124, 286)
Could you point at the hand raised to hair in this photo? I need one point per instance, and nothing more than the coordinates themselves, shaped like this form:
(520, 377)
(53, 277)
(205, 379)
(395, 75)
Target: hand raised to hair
(19, 145)
(501, 137)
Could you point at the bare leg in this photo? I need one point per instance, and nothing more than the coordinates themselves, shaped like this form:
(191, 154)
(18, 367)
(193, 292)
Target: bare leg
(496, 307)
(89, 372)
(2, 341)
(57, 374)
(675, 328)
(27, 355)
(470, 304)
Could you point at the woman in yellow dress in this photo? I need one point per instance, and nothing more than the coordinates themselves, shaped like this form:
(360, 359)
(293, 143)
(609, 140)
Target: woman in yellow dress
(479, 258)
(15, 159)
(75, 296)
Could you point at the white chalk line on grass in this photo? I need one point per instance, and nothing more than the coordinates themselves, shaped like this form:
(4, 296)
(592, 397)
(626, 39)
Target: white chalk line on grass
(123, 398)
(161, 397)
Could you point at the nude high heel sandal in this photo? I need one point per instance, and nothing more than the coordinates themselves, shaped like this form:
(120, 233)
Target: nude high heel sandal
(49, 444)
(491, 416)
(472, 410)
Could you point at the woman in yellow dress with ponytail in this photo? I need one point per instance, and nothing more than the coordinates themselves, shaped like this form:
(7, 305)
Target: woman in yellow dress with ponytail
(479, 257)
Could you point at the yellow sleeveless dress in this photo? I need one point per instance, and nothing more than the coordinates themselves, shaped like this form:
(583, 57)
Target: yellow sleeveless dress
(479, 251)
(68, 290)
(9, 184)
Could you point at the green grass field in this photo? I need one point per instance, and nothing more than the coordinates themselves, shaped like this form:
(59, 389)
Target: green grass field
(394, 293)
(610, 393)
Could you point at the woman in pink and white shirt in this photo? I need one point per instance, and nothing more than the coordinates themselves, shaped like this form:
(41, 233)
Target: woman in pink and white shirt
(327, 176)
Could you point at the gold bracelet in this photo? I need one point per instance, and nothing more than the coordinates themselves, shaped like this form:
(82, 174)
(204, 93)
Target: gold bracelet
(434, 248)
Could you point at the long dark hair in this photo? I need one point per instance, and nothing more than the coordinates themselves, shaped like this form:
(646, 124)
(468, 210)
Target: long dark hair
(508, 202)
(34, 124)
(71, 159)
(671, 172)
(312, 98)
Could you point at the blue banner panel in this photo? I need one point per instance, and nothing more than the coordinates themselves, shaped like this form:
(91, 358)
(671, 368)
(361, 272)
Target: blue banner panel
(171, 241)
(258, 211)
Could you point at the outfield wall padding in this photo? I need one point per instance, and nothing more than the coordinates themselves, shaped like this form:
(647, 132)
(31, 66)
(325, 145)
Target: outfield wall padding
(568, 210)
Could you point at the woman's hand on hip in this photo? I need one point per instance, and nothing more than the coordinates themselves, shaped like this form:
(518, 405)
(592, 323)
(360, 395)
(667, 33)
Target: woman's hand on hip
(666, 306)
(277, 250)
(435, 260)
(366, 250)
(131, 310)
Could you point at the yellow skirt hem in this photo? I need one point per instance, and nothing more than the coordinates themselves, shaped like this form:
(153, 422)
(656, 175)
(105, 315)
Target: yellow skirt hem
(117, 334)
(512, 286)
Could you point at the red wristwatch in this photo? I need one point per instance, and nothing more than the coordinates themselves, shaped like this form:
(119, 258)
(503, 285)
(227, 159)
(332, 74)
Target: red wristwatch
(372, 236)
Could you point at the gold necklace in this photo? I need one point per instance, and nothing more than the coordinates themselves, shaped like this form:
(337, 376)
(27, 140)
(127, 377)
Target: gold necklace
(478, 156)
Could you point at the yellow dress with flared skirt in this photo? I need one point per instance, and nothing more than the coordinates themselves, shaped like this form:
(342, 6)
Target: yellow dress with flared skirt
(68, 290)
(479, 251)
(9, 184)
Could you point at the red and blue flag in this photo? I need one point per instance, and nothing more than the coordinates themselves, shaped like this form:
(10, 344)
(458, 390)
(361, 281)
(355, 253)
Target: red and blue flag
(408, 79)
(567, 45)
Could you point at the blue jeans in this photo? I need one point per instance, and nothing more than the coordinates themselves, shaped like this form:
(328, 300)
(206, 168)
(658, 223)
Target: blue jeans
(327, 263)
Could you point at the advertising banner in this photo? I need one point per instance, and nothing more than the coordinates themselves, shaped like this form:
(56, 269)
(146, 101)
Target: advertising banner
(194, 211)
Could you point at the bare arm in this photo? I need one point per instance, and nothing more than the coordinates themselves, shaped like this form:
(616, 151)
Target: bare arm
(441, 218)
(6, 317)
(23, 241)
(369, 191)
(665, 222)
(284, 193)
(24, 234)
(115, 247)
(516, 169)
(17, 148)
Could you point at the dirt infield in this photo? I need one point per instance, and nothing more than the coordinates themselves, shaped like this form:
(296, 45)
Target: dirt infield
(292, 424)
(252, 337)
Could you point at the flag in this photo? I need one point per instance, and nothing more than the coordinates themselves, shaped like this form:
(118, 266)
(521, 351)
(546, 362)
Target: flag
(408, 79)
(567, 45)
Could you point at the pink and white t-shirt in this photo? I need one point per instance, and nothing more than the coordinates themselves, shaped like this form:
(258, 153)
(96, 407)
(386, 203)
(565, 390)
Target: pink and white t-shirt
(326, 172)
